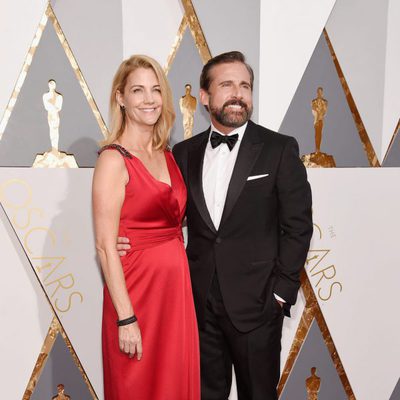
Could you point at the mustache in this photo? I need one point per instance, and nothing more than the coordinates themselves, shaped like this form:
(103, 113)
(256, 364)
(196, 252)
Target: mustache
(235, 103)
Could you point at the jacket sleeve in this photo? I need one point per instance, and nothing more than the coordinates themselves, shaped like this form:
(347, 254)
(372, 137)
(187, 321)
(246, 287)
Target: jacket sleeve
(295, 221)
(179, 152)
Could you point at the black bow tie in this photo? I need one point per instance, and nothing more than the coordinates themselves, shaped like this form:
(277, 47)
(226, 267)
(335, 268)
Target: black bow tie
(216, 139)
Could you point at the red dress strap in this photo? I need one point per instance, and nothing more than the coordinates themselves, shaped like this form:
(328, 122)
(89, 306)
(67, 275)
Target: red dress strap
(117, 147)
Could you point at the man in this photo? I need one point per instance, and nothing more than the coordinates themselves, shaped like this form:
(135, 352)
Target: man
(249, 228)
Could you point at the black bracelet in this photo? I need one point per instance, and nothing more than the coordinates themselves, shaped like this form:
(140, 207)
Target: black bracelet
(127, 321)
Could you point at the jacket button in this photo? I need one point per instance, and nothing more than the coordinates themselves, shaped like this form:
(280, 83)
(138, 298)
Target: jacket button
(218, 240)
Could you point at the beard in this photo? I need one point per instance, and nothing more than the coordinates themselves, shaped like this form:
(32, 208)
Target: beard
(231, 118)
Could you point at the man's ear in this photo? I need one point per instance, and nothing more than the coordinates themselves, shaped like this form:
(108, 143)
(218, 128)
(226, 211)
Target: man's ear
(204, 97)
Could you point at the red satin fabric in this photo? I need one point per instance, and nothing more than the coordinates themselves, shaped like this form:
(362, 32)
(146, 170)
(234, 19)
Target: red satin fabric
(157, 278)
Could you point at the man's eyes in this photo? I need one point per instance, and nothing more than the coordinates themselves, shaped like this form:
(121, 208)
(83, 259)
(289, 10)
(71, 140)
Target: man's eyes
(229, 84)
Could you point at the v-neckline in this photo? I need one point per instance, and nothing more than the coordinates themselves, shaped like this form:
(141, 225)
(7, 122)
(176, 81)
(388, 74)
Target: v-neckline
(149, 173)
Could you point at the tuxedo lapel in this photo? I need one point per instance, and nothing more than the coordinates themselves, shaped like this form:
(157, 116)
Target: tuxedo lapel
(195, 175)
(249, 151)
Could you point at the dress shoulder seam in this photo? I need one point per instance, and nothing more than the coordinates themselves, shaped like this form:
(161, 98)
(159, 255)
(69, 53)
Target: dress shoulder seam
(117, 147)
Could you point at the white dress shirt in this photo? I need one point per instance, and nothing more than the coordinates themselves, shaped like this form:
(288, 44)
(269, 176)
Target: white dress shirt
(217, 173)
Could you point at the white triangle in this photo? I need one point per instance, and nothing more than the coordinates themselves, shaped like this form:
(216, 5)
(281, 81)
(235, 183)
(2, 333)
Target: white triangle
(356, 283)
(391, 111)
(55, 227)
(150, 27)
(25, 312)
(19, 21)
(289, 33)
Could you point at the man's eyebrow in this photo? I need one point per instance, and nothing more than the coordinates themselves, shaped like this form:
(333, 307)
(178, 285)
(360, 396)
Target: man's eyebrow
(230, 81)
(227, 81)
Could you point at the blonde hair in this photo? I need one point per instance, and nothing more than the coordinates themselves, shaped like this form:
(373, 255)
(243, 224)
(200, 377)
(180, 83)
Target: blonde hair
(163, 126)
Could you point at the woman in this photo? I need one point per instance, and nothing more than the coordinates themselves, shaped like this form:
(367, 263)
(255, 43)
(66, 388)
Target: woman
(150, 338)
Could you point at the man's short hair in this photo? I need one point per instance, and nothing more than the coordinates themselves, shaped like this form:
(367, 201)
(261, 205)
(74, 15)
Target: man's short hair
(224, 58)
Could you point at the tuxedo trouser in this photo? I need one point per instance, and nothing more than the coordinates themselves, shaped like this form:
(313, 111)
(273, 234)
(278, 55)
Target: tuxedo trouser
(255, 355)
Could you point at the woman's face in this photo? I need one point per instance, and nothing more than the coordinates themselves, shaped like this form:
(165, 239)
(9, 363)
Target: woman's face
(142, 97)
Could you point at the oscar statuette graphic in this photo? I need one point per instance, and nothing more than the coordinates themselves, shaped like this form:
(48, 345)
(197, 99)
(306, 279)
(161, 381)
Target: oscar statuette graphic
(53, 101)
(60, 393)
(313, 384)
(187, 104)
(318, 159)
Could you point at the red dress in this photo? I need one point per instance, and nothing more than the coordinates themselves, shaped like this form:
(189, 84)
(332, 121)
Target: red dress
(157, 278)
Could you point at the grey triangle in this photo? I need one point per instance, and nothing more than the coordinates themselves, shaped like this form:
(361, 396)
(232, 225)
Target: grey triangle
(27, 131)
(60, 368)
(393, 157)
(186, 69)
(98, 51)
(396, 392)
(314, 353)
(340, 136)
(233, 25)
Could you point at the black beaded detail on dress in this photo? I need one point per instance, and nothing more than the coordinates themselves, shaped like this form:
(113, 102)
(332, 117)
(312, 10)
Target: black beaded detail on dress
(118, 147)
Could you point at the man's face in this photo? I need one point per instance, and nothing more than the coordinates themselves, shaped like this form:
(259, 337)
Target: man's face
(229, 97)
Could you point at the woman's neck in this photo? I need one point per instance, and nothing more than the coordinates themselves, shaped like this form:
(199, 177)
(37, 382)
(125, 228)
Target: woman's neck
(137, 138)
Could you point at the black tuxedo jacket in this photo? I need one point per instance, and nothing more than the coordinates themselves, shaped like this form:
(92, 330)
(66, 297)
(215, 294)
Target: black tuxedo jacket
(265, 230)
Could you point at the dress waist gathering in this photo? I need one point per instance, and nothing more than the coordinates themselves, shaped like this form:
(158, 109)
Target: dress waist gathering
(141, 239)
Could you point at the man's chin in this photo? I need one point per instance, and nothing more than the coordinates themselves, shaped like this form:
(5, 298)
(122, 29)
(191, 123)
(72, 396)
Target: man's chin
(235, 122)
(232, 119)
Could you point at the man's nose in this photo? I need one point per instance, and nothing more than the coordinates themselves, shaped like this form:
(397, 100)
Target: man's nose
(238, 92)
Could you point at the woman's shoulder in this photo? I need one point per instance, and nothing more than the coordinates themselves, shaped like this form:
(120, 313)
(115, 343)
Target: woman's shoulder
(109, 161)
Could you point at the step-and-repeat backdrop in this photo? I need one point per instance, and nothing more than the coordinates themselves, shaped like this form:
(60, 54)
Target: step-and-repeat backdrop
(327, 73)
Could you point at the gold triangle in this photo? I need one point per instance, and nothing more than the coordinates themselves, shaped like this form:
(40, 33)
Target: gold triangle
(50, 15)
(368, 147)
(333, 352)
(196, 30)
(68, 51)
(301, 333)
(77, 361)
(23, 74)
(177, 43)
(47, 346)
(313, 311)
(54, 330)
(190, 21)
(395, 133)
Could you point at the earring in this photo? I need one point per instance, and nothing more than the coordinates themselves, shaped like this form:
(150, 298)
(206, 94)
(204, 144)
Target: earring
(122, 107)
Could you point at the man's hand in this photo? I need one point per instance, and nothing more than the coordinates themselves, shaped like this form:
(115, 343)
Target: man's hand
(279, 300)
(123, 246)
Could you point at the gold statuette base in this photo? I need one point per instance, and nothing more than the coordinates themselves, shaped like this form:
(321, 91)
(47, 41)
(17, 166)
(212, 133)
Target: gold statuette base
(318, 160)
(55, 159)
